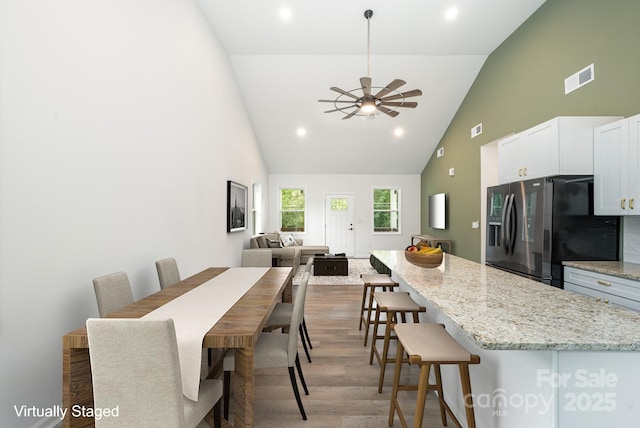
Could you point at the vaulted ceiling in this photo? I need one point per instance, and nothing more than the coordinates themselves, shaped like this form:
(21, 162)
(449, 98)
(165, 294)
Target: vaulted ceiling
(285, 65)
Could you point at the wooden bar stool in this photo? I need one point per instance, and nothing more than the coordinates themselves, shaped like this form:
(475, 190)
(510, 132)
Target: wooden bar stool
(392, 305)
(427, 345)
(371, 282)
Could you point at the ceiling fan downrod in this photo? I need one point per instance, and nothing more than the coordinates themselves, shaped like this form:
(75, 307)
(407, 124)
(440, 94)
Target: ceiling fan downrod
(368, 14)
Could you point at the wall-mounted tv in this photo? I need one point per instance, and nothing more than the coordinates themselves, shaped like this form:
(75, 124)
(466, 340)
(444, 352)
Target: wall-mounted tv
(437, 211)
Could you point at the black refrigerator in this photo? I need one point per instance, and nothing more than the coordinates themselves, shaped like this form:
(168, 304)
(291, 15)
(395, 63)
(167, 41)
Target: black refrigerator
(533, 225)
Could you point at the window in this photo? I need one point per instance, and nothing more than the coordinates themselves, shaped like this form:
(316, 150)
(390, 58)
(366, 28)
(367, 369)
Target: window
(292, 210)
(257, 208)
(386, 210)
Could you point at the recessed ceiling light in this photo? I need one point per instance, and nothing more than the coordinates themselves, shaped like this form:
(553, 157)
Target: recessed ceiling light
(285, 13)
(451, 13)
(398, 132)
(301, 132)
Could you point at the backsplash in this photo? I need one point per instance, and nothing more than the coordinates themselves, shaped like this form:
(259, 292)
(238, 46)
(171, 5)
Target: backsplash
(631, 239)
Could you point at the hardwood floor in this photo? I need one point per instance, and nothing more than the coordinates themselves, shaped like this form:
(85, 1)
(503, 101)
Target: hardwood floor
(343, 386)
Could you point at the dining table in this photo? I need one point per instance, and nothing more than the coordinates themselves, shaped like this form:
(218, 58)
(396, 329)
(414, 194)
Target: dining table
(238, 329)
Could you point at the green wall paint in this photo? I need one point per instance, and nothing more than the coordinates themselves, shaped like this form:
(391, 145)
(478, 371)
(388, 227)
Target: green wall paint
(522, 84)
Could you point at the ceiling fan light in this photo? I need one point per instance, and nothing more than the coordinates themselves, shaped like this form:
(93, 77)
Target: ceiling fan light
(368, 107)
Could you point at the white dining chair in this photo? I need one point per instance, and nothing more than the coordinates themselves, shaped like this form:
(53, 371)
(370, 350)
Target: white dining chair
(113, 292)
(168, 273)
(256, 258)
(275, 349)
(281, 316)
(135, 369)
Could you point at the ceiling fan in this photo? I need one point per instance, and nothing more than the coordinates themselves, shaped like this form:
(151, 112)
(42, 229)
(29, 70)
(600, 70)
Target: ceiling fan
(384, 100)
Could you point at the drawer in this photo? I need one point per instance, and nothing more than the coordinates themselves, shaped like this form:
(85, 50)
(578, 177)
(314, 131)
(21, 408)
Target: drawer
(585, 291)
(608, 284)
(605, 298)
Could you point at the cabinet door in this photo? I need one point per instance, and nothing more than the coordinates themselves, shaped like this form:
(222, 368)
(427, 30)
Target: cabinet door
(541, 150)
(633, 189)
(610, 168)
(621, 301)
(510, 159)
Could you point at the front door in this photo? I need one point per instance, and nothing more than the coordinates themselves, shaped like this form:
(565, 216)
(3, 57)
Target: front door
(338, 220)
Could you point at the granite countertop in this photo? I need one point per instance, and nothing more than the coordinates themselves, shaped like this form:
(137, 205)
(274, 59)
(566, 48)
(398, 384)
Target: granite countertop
(501, 311)
(620, 269)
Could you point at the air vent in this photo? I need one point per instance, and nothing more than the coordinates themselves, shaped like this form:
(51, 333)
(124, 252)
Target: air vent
(476, 130)
(579, 79)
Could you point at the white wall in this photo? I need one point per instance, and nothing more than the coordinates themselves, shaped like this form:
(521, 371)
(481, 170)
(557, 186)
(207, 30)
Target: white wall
(120, 123)
(361, 186)
(631, 239)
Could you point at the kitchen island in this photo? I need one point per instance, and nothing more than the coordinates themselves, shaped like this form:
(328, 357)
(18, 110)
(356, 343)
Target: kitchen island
(549, 358)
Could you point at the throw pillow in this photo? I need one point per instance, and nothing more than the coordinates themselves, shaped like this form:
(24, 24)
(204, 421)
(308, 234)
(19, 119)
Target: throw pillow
(287, 240)
(273, 243)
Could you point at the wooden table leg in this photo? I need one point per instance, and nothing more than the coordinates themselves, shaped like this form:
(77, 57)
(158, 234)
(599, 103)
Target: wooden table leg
(243, 388)
(287, 293)
(77, 389)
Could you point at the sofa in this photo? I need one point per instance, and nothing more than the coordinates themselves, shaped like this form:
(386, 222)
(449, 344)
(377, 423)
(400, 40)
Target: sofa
(291, 253)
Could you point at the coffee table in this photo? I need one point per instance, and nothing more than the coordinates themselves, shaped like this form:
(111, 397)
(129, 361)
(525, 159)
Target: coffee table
(330, 265)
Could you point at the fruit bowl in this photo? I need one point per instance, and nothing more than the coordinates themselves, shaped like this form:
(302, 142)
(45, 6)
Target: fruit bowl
(423, 260)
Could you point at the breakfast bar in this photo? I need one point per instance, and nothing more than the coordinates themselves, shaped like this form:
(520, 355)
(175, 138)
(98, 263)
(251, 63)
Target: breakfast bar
(549, 358)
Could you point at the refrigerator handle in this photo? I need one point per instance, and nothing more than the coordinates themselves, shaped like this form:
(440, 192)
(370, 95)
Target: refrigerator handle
(506, 224)
(503, 228)
(513, 225)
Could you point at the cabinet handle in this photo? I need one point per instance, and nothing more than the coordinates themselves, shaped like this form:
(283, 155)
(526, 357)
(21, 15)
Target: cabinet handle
(520, 172)
(525, 172)
(623, 202)
(631, 201)
(606, 300)
(598, 299)
(605, 283)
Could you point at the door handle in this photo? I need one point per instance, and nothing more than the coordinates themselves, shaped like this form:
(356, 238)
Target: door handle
(509, 225)
(504, 230)
(514, 224)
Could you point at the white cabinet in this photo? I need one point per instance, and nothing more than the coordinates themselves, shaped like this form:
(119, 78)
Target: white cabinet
(509, 158)
(608, 289)
(562, 145)
(616, 163)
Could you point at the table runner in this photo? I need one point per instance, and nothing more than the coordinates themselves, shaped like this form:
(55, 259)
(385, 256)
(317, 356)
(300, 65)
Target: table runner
(195, 312)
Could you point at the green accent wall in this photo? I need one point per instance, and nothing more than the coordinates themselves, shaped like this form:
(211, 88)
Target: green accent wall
(522, 84)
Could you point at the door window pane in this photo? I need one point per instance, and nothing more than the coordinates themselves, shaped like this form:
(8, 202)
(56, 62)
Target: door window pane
(339, 204)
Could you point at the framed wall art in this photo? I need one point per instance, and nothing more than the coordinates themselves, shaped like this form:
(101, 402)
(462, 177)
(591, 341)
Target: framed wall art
(236, 206)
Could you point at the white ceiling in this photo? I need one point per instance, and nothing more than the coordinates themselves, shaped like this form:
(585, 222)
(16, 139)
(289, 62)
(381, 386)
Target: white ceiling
(284, 67)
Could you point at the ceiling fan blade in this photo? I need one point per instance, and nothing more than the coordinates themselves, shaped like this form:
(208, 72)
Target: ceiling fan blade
(343, 92)
(350, 115)
(387, 111)
(412, 93)
(335, 101)
(410, 104)
(390, 87)
(339, 109)
(366, 86)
